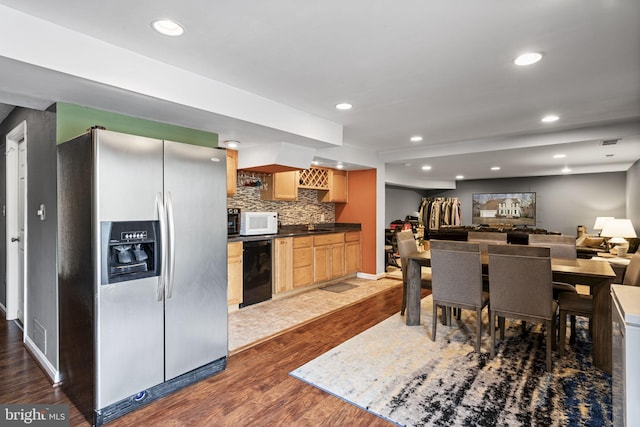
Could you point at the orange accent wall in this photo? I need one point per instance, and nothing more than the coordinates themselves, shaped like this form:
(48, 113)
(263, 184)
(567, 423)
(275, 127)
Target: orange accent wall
(361, 208)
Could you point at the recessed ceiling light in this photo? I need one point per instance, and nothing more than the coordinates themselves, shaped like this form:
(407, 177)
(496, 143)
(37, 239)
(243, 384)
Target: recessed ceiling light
(231, 143)
(426, 168)
(495, 168)
(315, 162)
(416, 138)
(344, 106)
(459, 176)
(559, 156)
(528, 58)
(549, 118)
(340, 166)
(566, 170)
(168, 27)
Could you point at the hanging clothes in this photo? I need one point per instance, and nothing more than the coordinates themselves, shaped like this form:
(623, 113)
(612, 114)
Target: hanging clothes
(438, 211)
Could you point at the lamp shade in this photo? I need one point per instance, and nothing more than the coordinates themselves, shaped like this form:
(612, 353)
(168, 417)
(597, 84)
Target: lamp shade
(618, 228)
(600, 221)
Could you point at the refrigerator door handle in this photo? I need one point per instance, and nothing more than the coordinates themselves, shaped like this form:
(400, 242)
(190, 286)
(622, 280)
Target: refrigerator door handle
(172, 245)
(163, 245)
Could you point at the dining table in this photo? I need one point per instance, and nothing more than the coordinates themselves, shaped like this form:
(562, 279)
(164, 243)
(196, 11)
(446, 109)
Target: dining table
(598, 275)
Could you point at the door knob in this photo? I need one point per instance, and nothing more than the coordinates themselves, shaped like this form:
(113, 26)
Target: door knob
(15, 239)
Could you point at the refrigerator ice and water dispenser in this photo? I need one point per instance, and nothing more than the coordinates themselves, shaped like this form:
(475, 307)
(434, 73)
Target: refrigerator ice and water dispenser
(130, 250)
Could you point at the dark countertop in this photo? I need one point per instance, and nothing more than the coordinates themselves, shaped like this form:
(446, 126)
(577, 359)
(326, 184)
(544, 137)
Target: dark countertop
(300, 230)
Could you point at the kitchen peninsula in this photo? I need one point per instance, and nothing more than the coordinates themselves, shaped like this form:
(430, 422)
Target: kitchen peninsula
(304, 257)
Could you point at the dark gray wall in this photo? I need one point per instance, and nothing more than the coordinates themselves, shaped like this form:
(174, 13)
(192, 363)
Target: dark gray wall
(3, 227)
(400, 202)
(41, 240)
(562, 202)
(633, 195)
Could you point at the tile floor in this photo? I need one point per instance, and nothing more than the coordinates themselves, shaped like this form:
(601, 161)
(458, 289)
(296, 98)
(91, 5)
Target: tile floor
(256, 323)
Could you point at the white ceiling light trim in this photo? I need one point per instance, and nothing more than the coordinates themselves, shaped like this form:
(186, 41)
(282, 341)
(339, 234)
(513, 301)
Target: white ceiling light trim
(168, 27)
(528, 58)
(416, 138)
(344, 106)
(426, 168)
(550, 118)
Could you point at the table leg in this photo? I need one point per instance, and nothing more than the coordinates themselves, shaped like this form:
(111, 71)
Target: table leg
(602, 326)
(414, 271)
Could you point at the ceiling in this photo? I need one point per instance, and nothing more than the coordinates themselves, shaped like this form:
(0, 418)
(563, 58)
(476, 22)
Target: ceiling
(270, 71)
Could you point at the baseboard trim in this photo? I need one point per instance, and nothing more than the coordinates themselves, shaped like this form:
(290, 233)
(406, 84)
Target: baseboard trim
(368, 276)
(41, 359)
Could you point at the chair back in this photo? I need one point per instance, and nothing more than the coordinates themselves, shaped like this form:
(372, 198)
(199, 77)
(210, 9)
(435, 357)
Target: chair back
(520, 280)
(407, 245)
(486, 238)
(561, 246)
(632, 273)
(456, 270)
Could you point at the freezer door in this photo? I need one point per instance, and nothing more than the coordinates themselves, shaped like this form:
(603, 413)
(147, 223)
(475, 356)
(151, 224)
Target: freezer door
(129, 316)
(196, 293)
(129, 176)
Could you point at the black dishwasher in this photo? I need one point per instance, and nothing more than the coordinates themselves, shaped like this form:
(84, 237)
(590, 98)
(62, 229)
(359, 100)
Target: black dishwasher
(256, 272)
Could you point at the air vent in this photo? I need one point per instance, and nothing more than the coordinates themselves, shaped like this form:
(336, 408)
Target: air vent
(610, 141)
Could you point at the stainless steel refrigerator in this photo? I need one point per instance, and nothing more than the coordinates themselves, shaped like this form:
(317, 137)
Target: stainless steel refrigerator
(142, 273)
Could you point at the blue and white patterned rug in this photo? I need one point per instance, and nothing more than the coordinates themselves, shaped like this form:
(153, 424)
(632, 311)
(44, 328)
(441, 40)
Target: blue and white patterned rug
(396, 372)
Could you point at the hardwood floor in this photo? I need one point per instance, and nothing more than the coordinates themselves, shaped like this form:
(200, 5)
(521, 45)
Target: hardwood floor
(254, 390)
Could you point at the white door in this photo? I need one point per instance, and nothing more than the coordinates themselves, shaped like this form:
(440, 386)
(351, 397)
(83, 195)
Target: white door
(16, 232)
(22, 169)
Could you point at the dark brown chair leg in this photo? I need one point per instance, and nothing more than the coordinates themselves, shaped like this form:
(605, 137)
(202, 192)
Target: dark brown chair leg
(434, 322)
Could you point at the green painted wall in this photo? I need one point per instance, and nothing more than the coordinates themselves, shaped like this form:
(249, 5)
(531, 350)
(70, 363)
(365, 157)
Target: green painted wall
(74, 120)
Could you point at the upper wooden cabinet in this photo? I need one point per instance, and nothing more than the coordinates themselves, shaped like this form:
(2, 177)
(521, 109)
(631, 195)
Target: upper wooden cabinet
(337, 192)
(232, 170)
(280, 186)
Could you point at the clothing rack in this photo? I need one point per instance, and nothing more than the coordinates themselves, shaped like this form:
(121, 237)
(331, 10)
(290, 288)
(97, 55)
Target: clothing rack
(438, 211)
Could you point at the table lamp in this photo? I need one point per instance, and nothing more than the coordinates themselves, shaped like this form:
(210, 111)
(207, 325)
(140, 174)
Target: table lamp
(600, 221)
(618, 230)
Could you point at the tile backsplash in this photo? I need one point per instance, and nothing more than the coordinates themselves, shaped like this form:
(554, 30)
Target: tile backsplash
(307, 209)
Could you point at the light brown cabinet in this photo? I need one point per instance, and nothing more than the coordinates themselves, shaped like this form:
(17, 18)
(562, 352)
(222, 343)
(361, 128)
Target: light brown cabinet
(234, 273)
(310, 260)
(280, 186)
(353, 254)
(338, 187)
(283, 264)
(328, 257)
(302, 261)
(232, 172)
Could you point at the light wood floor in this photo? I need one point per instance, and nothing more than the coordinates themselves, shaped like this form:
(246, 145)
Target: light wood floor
(254, 390)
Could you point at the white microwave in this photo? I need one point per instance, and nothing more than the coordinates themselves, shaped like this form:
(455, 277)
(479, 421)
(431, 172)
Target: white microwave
(254, 223)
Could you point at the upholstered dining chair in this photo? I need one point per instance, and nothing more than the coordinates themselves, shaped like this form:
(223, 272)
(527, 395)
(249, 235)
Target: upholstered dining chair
(632, 272)
(572, 305)
(456, 270)
(486, 238)
(407, 245)
(520, 284)
(561, 247)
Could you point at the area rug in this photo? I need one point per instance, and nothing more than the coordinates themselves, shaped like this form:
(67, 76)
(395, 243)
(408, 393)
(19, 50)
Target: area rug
(396, 372)
(339, 287)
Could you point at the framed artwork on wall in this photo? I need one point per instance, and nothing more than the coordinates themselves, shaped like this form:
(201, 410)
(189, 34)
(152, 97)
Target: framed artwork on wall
(504, 208)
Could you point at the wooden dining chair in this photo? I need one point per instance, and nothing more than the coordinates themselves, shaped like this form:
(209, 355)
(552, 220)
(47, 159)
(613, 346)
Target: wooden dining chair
(407, 245)
(456, 271)
(520, 284)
